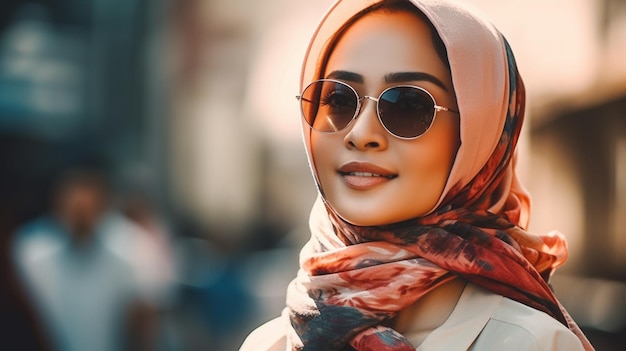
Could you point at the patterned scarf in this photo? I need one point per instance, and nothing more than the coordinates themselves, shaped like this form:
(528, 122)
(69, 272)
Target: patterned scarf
(353, 279)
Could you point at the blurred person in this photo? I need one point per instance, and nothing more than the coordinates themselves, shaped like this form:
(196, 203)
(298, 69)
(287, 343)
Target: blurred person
(150, 248)
(21, 329)
(411, 115)
(151, 253)
(87, 295)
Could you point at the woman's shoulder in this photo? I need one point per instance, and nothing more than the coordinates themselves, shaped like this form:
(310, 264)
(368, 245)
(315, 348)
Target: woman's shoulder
(483, 320)
(526, 329)
(268, 337)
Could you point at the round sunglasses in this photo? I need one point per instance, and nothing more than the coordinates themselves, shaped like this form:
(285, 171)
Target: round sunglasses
(405, 111)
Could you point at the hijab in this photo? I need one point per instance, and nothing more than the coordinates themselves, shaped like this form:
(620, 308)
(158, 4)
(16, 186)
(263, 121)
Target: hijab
(352, 279)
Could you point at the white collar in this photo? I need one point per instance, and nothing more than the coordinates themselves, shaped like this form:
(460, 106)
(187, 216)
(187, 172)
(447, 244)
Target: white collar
(472, 312)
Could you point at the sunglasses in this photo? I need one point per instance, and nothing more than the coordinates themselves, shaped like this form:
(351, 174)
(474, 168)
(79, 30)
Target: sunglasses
(405, 111)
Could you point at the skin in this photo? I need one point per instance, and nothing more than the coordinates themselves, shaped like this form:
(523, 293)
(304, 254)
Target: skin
(374, 47)
(80, 206)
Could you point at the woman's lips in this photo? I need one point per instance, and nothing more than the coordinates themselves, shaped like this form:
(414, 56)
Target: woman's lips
(363, 175)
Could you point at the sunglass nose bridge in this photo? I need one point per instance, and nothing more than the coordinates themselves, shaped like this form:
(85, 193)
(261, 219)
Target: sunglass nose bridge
(375, 99)
(367, 97)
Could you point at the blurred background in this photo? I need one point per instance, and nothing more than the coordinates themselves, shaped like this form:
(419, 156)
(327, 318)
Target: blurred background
(155, 192)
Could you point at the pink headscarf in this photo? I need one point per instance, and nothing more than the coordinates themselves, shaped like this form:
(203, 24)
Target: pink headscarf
(354, 278)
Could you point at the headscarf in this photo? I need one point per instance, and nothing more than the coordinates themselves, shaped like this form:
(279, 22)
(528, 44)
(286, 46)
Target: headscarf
(354, 279)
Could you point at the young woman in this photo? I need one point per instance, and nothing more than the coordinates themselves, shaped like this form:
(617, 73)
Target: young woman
(411, 114)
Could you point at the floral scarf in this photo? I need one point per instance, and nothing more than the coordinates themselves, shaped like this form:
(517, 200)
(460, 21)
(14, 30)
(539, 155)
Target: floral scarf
(353, 279)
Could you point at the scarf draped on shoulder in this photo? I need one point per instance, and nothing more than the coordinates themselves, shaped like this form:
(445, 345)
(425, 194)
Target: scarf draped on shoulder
(353, 279)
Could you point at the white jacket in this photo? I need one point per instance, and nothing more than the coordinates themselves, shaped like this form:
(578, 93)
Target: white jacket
(481, 321)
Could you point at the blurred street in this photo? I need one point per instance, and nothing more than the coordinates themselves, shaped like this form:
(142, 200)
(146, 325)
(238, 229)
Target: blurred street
(155, 191)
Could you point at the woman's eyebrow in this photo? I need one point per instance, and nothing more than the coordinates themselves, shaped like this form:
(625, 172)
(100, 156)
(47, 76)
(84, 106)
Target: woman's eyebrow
(402, 77)
(345, 75)
(397, 77)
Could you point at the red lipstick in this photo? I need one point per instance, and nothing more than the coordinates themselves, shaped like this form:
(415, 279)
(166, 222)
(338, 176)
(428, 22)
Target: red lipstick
(363, 175)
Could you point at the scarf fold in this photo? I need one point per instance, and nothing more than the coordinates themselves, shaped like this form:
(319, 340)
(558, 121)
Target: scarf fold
(353, 280)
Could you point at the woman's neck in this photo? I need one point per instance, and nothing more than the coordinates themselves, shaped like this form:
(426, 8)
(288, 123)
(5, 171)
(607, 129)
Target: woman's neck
(428, 313)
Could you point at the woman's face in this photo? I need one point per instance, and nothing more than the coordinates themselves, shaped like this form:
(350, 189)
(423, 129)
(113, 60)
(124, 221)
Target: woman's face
(368, 176)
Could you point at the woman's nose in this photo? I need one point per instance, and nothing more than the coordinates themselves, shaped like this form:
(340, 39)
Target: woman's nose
(366, 132)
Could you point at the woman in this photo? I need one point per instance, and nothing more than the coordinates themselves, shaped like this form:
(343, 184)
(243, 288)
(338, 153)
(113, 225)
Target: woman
(411, 114)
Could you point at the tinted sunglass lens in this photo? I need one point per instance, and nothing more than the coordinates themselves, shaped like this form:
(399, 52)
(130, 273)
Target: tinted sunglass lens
(328, 106)
(407, 112)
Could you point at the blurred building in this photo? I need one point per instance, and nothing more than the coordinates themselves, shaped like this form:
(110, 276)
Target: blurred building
(198, 94)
